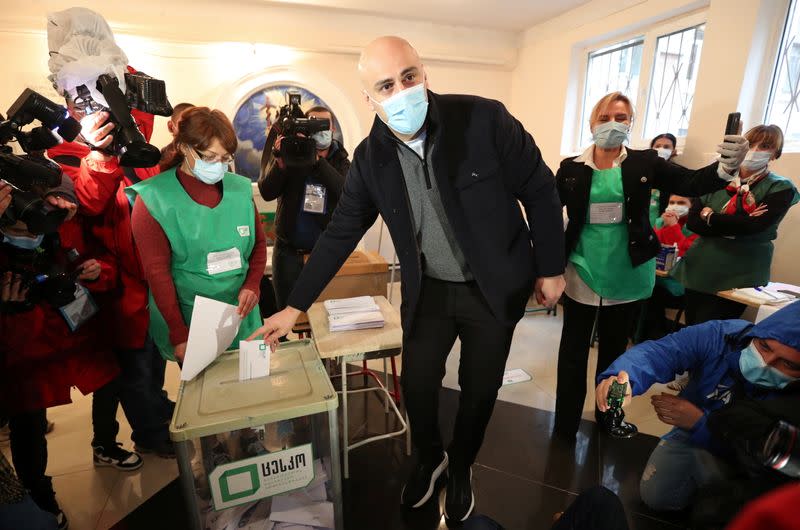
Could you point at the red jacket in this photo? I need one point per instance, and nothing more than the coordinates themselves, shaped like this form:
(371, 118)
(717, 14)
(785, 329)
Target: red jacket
(41, 357)
(100, 190)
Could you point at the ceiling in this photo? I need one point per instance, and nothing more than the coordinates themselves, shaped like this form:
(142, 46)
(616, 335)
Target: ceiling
(502, 15)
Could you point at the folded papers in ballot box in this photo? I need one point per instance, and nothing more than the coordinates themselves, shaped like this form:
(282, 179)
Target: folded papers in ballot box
(347, 314)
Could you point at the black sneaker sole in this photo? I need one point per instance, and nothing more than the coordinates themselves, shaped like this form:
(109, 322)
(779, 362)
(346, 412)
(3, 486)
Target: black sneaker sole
(122, 467)
(144, 450)
(434, 477)
(471, 504)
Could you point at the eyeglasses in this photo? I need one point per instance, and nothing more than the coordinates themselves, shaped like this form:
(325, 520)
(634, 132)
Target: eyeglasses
(227, 159)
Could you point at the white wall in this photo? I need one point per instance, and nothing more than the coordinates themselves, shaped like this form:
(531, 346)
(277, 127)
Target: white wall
(204, 50)
(738, 53)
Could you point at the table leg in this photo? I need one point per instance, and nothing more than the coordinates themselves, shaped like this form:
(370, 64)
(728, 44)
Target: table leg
(338, 515)
(345, 423)
(386, 385)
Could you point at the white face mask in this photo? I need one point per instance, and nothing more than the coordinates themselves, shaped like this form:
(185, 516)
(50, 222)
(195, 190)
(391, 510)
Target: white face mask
(756, 160)
(678, 209)
(664, 153)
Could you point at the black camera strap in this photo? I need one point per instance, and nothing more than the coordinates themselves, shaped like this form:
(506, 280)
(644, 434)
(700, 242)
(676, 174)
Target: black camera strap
(131, 174)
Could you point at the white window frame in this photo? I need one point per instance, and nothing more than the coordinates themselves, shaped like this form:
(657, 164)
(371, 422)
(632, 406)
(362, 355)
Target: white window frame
(650, 36)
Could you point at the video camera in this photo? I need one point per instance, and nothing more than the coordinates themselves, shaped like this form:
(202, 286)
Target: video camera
(298, 149)
(31, 175)
(50, 276)
(143, 93)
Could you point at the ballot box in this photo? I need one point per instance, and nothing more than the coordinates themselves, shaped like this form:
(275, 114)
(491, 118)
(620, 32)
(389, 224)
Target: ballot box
(260, 450)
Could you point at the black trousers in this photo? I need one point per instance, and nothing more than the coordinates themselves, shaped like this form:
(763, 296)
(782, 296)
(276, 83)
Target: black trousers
(655, 325)
(573, 353)
(287, 264)
(448, 310)
(29, 446)
(702, 307)
(139, 389)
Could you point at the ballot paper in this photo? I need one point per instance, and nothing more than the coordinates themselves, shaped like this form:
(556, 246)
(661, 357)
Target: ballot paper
(297, 508)
(356, 304)
(765, 295)
(254, 358)
(213, 328)
(515, 375)
(353, 321)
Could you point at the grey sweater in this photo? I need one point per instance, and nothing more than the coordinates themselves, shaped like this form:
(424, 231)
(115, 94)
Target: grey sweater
(442, 257)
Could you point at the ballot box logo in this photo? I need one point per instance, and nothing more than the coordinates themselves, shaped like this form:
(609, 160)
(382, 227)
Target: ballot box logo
(262, 476)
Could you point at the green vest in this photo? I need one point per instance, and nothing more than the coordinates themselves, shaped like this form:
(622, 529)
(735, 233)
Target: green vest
(601, 256)
(655, 205)
(717, 263)
(195, 231)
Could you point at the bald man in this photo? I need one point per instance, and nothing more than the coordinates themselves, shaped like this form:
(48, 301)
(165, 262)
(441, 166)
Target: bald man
(447, 173)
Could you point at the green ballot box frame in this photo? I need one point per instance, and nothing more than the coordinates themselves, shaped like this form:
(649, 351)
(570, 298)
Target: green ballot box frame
(217, 404)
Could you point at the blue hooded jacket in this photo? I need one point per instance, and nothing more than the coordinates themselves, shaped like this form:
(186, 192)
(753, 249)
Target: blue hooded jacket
(710, 352)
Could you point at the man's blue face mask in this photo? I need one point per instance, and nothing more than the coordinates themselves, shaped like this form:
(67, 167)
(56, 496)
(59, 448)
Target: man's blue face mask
(406, 110)
(758, 372)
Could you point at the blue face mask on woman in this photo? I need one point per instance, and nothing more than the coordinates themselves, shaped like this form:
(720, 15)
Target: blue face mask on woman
(610, 134)
(406, 110)
(208, 172)
(23, 242)
(755, 370)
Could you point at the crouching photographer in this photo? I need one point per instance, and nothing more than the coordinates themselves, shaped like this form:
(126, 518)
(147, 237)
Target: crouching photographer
(306, 186)
(49, 333)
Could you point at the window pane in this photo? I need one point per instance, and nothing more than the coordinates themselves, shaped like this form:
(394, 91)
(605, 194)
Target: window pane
(675, 67)
(783, 108)
(610, 69)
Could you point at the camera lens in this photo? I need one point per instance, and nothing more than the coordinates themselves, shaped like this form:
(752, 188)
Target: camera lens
(781, 451)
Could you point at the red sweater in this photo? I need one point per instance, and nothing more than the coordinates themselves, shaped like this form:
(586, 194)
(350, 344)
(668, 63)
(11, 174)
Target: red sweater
(156, 255)
(776, 510)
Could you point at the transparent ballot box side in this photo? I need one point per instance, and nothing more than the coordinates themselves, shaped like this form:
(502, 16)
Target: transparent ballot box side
(266, 449)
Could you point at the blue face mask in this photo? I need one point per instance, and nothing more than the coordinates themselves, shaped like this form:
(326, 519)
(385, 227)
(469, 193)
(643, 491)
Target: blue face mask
(23, 242)
(610, 134)
(323, 139)
(755, 370)
(208, 172)
(406, 110)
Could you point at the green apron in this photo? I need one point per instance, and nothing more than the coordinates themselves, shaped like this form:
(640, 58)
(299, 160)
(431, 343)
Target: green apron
(745, 259)
(601, 256)
(655, 206)
(198, 235)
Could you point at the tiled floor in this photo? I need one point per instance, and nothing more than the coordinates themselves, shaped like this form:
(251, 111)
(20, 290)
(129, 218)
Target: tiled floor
(99, 498)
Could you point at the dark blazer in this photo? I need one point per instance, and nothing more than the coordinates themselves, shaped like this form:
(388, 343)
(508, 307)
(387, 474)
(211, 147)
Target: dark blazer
(289, 186)
(485, 165)
(641, 172)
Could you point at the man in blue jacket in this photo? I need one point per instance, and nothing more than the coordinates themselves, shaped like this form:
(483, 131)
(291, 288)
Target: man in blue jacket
(448, 174)
(728, 360)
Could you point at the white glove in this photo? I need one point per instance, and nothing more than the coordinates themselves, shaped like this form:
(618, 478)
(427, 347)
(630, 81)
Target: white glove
(732, 151)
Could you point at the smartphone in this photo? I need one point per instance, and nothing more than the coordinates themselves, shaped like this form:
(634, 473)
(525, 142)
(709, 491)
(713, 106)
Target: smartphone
(734, 119)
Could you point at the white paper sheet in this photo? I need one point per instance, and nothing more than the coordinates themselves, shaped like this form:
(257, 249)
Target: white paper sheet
(254, 357)
(213, 328)
(515, 375)
(299, 509)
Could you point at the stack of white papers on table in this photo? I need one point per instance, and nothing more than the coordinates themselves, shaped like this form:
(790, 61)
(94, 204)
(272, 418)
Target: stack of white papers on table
(347, 314)
(765, 295)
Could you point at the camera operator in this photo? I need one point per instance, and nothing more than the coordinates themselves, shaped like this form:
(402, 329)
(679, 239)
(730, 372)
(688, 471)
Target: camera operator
(328, 147)
(50, 336)
(307, 194)
(100, 180)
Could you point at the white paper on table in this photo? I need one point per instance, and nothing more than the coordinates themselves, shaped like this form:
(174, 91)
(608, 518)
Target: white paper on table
(516, 375)
(342, 303)
(213, 328)
(299, 509)
(254, 358)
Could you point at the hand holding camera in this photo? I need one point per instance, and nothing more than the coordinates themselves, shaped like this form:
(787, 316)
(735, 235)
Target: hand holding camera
(5, 197)
(13, 289)
(96, 130)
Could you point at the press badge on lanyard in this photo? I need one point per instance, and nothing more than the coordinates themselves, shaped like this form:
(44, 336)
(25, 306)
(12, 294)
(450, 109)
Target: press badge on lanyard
(316, 199)
(80, 310)
(605, 213)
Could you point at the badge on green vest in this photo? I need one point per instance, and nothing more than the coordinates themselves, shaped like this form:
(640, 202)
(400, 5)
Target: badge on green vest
(244, 231)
